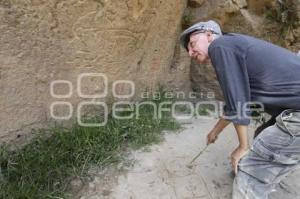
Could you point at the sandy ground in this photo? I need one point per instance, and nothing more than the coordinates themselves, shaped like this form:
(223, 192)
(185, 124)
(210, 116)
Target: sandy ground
(160, 172)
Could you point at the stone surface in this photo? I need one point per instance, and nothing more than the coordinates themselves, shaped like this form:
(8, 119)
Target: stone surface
(240, 3)
(76, 185)
(195, 3)
(240, 16)
(260, 7)
(43, 41)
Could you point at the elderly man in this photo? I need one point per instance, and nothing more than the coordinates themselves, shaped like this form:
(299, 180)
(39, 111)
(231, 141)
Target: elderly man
(249, 69)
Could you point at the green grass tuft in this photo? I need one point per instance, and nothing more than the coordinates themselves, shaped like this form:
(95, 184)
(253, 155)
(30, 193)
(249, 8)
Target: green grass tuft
(285, 14)
(42, 168)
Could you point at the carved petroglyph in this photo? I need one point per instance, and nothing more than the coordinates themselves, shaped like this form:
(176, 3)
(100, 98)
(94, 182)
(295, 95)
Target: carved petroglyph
(106, 30)
(137, 7)
(58, 39)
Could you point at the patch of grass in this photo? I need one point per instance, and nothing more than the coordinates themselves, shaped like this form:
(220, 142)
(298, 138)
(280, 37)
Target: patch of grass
(285, 14)
(42, 168)
(187, 20)
(206, 109)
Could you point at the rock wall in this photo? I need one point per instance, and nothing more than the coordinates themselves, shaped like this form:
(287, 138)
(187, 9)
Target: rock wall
(42, 41)
(137, 40)
(241, 16)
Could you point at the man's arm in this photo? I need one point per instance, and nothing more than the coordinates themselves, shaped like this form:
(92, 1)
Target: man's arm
(242, 133)
(241, 150)
(232, 73)
(218, 128)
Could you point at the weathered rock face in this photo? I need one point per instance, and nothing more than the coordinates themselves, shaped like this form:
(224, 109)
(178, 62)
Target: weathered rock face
(203, 77)
(246, 17)
(137, 40)
(260, 7)
(43, 41)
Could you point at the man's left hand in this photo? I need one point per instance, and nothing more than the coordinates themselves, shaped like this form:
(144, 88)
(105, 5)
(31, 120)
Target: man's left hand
(236, 155)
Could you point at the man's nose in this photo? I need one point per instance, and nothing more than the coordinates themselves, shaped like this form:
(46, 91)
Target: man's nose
(191, 52)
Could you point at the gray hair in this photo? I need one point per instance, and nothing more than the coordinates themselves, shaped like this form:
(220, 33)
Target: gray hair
(215, 36)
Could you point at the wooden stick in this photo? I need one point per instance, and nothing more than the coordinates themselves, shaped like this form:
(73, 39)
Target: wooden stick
(202, 151)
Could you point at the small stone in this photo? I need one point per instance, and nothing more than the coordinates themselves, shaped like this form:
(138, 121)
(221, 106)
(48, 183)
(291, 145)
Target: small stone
(297, 31)
(106, 192)
(95, 197)
(241, 3)
(76, 184)
(195, 3)
(289, 38)
(230, 7)
(91, 185)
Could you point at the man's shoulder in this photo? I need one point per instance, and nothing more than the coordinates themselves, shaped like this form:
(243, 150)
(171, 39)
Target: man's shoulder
(230, 36)
(234, 42)
(232, 39)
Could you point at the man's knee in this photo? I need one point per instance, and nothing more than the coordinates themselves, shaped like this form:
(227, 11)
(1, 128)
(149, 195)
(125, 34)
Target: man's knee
(265, 125)
(247, 187)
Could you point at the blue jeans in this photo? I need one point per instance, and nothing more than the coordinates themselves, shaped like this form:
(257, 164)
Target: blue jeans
(273, 155)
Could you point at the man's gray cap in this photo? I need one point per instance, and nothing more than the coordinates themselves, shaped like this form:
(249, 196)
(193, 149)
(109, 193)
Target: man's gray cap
(205, 26)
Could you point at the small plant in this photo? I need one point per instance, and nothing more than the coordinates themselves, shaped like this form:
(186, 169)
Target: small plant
(285, 14)
(187, 20)
(43, 168)
(205, 110)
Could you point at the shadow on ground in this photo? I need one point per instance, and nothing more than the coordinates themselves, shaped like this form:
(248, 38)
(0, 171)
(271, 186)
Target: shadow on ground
(160, 171)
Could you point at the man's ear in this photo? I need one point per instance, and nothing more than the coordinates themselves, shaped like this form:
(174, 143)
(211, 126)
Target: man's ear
(210, 36)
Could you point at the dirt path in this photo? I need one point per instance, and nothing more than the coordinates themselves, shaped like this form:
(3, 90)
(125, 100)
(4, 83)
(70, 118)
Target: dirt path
(161, 172)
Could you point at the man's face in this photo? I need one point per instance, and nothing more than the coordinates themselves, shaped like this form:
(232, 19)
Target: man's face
(198, 47)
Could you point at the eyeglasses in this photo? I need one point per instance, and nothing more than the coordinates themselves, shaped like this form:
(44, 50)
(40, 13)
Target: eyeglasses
(198, 32)
(205, 30)
(193, 43)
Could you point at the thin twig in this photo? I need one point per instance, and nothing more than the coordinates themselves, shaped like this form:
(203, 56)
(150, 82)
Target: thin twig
(202, 151)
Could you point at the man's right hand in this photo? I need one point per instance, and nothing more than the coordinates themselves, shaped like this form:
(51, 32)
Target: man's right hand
(218, 128)
(212, 137)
